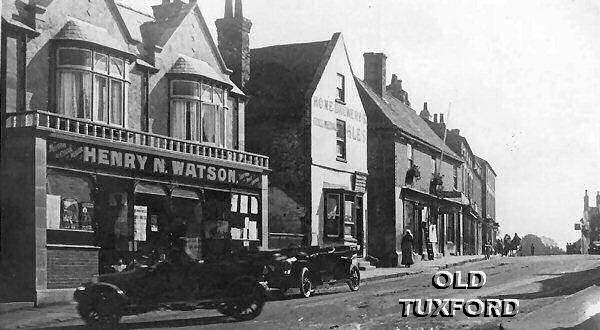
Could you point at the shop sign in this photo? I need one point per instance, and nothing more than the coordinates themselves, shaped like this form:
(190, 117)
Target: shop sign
(84, 154)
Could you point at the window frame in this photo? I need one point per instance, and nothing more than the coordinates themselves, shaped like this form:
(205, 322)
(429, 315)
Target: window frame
(221, 109)
(342, 196)
(341, 90)
(344, 155)
(123, 79)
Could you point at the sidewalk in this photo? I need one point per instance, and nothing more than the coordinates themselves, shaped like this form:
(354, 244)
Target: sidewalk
(419, 267)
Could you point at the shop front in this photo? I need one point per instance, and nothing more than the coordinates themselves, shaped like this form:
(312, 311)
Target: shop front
(100, 205)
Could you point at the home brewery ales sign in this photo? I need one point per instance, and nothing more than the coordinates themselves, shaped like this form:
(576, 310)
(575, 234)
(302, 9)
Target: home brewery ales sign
(88, 155)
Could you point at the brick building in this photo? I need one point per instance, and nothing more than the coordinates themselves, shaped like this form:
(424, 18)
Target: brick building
(475, 187)
(121, 128)
(409, 169)
(305, 112)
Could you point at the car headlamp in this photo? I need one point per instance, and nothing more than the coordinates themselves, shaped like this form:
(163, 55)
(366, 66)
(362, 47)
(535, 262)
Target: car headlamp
(287, 265)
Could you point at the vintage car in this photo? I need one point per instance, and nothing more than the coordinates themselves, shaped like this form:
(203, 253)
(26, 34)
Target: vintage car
(232, 285)
(306, 268)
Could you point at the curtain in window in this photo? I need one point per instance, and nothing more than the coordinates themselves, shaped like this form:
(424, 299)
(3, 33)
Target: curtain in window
(74, 94)
(101, 98)
(208, 123)
(116, 102)
(220, 127)
(193, 121)
(178, 115)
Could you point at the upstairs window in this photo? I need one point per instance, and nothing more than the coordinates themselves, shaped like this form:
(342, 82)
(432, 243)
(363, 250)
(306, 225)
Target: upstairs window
(91, 85)
(410, 155)
(341, 87)
(199, 112)
(455, 177)
(341, 140)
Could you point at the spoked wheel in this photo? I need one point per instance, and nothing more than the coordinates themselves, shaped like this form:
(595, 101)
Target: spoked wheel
(305, 285)
(247, 300)
(102, 311)
(354, 279)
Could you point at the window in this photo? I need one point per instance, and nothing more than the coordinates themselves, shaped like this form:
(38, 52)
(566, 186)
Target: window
(410, 155)
(341, 140)
(341, 87)
(455, 176)
(434, 167)
(201, 112)
(91, 85)
(333, 220)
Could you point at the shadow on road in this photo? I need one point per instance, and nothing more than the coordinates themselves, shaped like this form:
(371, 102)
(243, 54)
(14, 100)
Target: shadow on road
(159, 324)
(563, 285)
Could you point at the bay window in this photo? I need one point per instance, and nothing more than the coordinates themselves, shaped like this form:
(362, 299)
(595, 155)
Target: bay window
(91, 85)
(201, 112)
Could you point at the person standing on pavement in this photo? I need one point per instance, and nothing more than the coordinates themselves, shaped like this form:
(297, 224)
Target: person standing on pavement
(532, 248)
(407, 248)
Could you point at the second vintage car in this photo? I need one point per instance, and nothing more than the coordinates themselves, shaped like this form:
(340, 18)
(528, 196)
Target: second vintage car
(308, 267)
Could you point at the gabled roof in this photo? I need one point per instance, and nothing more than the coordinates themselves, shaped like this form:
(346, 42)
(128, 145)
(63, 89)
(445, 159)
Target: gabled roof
(483, 161)
(404, 118)
(288, 74)
(75, 29)
(133, 19)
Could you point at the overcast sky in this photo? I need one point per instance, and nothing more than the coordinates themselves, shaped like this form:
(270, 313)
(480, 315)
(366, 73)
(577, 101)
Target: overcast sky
(522, 80)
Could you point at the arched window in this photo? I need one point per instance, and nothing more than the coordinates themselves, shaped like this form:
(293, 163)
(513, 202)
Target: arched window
(91, 85)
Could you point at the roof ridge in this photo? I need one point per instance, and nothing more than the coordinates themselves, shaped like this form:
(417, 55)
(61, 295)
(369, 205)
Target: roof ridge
(139, 11)
(293, 44)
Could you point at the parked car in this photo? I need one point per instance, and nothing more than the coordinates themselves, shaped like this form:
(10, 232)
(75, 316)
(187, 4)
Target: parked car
(306, 268)
(232, 285)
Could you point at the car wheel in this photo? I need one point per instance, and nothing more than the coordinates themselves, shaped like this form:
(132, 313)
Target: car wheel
(305, 285)
(102, 311)
(247, 300)
(354, 279)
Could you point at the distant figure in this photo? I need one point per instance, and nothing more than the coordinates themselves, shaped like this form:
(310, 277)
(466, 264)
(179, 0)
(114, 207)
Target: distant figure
(532, 249)
(488, 249)
(407, 248)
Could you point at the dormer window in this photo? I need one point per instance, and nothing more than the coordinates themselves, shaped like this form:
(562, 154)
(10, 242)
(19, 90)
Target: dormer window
(91, 85)
(199, 112)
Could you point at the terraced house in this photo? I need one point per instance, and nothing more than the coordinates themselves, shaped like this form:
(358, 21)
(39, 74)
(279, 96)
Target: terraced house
(121, 127)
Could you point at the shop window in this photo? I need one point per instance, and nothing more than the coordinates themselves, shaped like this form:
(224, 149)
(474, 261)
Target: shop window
(201, 112)
(341, 87)
(69, 203)
(91, 85)
(333, 215)
(341, 140)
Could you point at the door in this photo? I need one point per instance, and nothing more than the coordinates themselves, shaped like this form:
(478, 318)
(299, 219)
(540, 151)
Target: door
(360, 231)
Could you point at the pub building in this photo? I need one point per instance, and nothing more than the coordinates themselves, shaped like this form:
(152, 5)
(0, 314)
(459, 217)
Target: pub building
(122, 129)
(307, 115)
(412, 173)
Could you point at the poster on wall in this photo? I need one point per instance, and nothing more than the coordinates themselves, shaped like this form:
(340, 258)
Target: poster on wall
(140, 216)
(154, 223)
(52, 211)
(69, 214)
(433, 233)
(244, 204)
(86, 215)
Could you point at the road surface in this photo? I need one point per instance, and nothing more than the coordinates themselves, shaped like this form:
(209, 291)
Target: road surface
(553, 291)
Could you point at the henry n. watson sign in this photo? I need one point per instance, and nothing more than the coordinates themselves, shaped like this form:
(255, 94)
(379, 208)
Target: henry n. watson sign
(96, 156)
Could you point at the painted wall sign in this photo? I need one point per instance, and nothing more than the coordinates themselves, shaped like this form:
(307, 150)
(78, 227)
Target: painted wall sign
(98, 157)
(342, 110)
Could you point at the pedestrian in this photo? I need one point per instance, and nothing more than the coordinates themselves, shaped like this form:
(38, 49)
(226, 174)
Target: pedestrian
(532, 248)
(407, 248)
(488, 249)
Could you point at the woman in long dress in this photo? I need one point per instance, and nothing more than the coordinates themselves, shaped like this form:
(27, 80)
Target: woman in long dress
(407, 248)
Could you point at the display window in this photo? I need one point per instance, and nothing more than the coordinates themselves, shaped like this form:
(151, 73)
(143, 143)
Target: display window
(69, 202)
(341, 214)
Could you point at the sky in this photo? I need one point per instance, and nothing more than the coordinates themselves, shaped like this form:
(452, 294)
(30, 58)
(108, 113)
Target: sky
(521, 80)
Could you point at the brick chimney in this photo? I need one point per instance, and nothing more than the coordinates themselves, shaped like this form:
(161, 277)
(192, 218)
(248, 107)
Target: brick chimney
(375, 65)
(395, 88)
(435, 117)
(233, 34)
(425, 112)
(167, 9)
(441, 118)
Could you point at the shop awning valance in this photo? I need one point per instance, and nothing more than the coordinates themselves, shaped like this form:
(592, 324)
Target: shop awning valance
(183, 193)
(150, 189)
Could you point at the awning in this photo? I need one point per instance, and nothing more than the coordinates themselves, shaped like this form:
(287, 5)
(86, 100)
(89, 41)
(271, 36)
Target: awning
(150, 189)
(183, 193)
(78, 30)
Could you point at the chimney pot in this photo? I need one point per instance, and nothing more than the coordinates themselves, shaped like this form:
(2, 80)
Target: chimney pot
(441, 118)
(435, 117)
(425, 106)
(239, 12)
(228, 9)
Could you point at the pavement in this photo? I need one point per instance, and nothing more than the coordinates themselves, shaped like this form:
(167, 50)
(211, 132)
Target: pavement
(63, 315)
